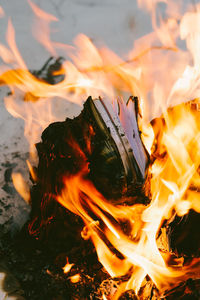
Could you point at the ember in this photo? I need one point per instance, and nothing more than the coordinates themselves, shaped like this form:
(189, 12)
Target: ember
(115, 190)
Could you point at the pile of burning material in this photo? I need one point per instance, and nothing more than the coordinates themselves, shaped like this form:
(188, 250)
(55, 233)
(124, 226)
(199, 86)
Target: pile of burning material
(93, 146)
(98, 170)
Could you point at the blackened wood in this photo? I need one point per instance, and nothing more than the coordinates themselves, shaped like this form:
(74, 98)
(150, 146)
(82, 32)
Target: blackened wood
(49, 69)
(184, 234)
(189, 290)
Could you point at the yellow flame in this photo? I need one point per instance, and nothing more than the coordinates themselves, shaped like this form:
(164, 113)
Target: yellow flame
(67, 267)
(21, 186)
(75, 278)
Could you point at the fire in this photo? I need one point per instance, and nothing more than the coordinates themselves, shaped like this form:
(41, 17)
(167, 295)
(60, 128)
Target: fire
(41, 28)
(75, 278)
(2, 13)
(21, 186)
(162, 75)
(67, 267)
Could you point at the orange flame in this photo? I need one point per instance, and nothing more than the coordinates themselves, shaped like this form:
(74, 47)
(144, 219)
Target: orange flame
(75, 278)
(162, 75)
(2, 13)
(21, 186)
(67, 267)
(41, 27)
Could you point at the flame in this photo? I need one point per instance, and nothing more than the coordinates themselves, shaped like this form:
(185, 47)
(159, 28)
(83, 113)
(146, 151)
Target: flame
(2, 13)
(31, 171)
(67, 267)
(21, 186)
(162, 75)
(41, 27)
(75, 278)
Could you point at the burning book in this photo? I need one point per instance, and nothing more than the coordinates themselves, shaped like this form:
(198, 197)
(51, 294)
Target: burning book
(93, 148)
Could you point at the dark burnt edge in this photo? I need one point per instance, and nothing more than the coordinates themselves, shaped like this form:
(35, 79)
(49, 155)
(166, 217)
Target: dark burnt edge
(134, 174)
(135, 100)
(47, 70)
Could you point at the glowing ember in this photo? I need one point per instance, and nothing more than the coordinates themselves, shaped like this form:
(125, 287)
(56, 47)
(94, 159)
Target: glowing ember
(75, 278)
(162, 75)
(67, 267)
